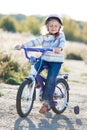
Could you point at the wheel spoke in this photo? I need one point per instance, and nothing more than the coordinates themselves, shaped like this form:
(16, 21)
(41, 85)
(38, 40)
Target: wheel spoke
(61, 95)
(25, 97)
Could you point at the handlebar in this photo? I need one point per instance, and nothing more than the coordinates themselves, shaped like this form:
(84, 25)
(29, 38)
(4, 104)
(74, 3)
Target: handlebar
(32, 58)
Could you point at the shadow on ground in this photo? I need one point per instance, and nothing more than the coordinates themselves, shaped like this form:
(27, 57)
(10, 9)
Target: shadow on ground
(48, 123)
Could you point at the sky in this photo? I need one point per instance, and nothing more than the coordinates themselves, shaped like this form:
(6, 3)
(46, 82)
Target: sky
(75, 9)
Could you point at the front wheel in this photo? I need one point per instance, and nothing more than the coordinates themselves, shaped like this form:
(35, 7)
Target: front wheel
(61, 96)
(25, 97)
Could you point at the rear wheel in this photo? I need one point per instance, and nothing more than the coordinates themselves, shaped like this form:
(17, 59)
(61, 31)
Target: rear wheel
(61, 96)
(25, 97)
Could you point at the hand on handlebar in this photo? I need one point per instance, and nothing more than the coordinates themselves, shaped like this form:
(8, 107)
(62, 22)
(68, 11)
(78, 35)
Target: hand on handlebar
(18, 47)
(58, 50)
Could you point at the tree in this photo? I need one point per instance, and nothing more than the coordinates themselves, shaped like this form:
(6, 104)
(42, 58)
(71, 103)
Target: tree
(33, 25)
(8, 24)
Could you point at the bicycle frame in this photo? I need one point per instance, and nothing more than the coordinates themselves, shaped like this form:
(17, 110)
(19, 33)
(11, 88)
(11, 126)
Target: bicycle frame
(28, 94)
(40, 79)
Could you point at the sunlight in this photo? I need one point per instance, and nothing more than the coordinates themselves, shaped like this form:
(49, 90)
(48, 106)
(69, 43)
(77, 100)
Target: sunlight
(44, 30)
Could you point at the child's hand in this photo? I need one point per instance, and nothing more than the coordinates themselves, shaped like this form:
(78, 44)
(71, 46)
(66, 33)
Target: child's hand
(58, 50)
(18, 47)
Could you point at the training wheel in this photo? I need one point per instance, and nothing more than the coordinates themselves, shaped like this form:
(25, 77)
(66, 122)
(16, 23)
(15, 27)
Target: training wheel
(76, 110)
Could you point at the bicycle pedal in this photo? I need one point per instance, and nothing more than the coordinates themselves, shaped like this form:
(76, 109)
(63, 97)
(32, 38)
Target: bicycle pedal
(53, 103)
(37, 86)
(41, 100)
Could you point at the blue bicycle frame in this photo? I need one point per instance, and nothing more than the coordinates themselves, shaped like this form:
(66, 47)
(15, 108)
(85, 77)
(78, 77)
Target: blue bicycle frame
(40, 79)
(27, 90)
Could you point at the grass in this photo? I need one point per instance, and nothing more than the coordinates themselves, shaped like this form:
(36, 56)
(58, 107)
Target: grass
(77, 81)
(76, 51)
(83, 74)
(72, 50)
(1, 94)
(65, 69)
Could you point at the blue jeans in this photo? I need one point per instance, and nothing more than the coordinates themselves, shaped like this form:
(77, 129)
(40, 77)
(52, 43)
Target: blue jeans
(53, 70)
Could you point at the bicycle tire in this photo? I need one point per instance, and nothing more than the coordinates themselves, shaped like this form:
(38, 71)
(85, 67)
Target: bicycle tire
(24, 103)
(61, 95)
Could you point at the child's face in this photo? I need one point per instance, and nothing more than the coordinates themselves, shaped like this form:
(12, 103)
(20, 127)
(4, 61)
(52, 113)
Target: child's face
(53, 26)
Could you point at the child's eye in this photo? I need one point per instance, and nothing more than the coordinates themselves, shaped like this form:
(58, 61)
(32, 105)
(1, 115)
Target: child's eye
(56, 26)
(51, 25)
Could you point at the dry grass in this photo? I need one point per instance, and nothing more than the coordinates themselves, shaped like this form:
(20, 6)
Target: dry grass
(78, 49)
(77, 70)
(9, 40)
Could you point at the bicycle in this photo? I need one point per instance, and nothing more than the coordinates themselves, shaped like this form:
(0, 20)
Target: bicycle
(26, 94)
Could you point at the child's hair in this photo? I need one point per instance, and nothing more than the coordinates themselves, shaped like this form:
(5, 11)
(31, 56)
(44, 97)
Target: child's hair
(55, 35)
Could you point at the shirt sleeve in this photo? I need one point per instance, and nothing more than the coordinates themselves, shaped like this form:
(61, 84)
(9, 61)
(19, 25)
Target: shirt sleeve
(62, 40)
(35, 42)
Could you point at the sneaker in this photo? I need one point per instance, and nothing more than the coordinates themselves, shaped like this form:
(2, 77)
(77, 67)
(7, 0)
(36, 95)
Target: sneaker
(43, 109)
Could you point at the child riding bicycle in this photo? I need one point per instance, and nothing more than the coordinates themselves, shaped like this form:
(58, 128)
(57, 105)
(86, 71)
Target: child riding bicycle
(54, 39)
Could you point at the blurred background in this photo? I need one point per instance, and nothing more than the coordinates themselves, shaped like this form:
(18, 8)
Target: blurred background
(23, 20)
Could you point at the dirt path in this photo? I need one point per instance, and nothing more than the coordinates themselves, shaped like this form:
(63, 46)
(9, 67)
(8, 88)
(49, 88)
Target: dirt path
(9, 119)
